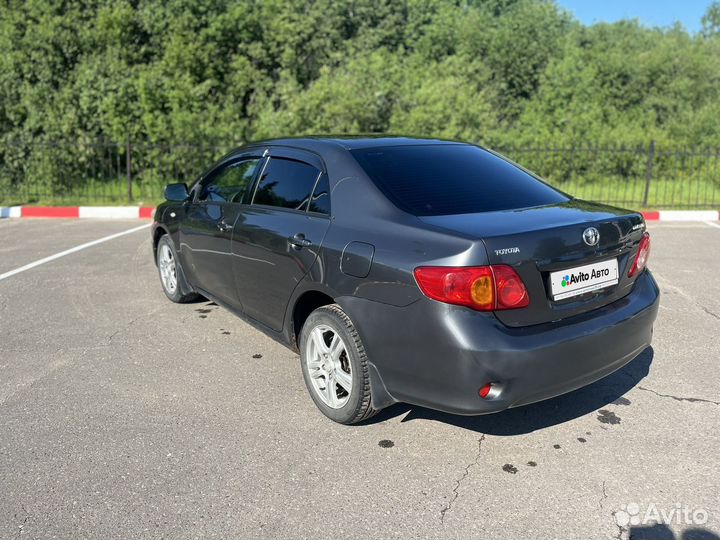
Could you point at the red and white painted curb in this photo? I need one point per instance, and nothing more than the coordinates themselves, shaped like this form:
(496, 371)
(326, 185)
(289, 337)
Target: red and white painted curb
(146, 212)
(682, 215)
(103, 212)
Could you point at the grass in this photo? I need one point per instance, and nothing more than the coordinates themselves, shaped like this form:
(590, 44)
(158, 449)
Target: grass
(663, 193)
(93, 193)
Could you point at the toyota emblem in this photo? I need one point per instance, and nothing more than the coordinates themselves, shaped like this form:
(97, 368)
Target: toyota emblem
(591, 236)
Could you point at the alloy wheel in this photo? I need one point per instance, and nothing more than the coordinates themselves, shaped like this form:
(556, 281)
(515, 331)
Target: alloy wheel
(168, 274)
(329, 366)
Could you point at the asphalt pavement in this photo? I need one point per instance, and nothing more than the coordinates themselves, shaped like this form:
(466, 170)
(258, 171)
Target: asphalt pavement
(123, 415)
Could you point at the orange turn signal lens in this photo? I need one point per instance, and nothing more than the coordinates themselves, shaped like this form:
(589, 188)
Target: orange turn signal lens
(482, 291)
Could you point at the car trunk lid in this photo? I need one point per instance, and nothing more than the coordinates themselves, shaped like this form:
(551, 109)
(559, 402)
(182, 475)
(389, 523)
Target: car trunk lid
(539, 241)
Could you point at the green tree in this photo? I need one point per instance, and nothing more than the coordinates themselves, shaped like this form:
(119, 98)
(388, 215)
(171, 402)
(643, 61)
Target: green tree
(711, 20)
(217, 73)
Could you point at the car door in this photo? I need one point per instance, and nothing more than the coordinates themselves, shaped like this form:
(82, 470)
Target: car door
(207, 228)
(278, 236)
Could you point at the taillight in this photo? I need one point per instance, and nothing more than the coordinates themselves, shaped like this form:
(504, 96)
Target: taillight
(642, 256)
(484, 288)
(511, 291)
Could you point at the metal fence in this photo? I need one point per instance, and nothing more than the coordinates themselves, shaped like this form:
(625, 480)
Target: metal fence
(635, 177)
(98, 172)
(93, 172)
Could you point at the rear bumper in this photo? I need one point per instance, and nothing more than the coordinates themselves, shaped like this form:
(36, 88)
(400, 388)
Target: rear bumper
(439, 356)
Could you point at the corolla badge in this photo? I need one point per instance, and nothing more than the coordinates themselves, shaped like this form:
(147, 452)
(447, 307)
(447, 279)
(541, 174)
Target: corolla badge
(591, 236)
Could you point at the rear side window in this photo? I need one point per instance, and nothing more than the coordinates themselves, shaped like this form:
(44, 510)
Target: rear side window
(431, 180)
(320, 201)
(286, 183)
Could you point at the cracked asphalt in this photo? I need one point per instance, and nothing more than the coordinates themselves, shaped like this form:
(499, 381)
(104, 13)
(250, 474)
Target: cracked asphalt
(123, 415)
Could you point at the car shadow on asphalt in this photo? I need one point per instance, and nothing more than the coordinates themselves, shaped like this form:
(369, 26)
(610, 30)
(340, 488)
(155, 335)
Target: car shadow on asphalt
(660, 531)
(529, 418)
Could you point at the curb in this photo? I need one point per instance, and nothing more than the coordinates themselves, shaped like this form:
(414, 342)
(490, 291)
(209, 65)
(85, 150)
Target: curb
(98, 212)
(682, 215)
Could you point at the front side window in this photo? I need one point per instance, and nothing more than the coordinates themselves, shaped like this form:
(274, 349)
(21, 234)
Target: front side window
(231, 183)
(286, 183)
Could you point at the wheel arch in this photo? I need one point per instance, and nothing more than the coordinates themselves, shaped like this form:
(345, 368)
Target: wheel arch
(306, 302)
(159, 232)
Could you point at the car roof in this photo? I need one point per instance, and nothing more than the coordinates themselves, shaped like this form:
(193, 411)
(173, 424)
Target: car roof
(349, 142)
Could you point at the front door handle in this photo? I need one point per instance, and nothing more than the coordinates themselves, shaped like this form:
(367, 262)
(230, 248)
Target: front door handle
(299, 241)
(224, 227)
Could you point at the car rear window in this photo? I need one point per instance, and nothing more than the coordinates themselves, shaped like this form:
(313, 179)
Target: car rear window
(431, 180)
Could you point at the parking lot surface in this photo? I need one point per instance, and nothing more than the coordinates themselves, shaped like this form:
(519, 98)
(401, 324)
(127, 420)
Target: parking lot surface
(124, 415)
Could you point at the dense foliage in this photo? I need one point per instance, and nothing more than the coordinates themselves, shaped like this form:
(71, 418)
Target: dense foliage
(500, 72)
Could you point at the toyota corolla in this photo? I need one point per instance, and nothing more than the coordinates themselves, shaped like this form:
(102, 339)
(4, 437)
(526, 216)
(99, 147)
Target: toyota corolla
(428, 272)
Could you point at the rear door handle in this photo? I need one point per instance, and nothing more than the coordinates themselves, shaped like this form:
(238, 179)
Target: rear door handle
(299, 241)
(224, 227)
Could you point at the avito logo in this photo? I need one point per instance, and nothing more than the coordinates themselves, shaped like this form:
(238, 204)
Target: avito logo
(571, 279)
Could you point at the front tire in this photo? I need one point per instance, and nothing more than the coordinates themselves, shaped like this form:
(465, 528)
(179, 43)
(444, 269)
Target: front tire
(171, 275)
(335, 367)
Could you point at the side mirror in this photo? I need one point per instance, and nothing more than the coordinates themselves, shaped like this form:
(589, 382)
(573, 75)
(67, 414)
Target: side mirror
(176, 192)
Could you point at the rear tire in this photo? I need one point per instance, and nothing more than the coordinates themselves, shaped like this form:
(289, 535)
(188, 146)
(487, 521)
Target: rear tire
(335, 367)
(171, 274)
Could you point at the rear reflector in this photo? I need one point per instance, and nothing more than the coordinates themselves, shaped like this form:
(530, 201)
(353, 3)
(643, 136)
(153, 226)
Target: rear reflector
(490, 391)
(484, 288)
(641, 258)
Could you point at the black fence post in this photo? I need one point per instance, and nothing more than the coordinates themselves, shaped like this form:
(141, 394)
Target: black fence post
(648, 172)
(128, 165)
